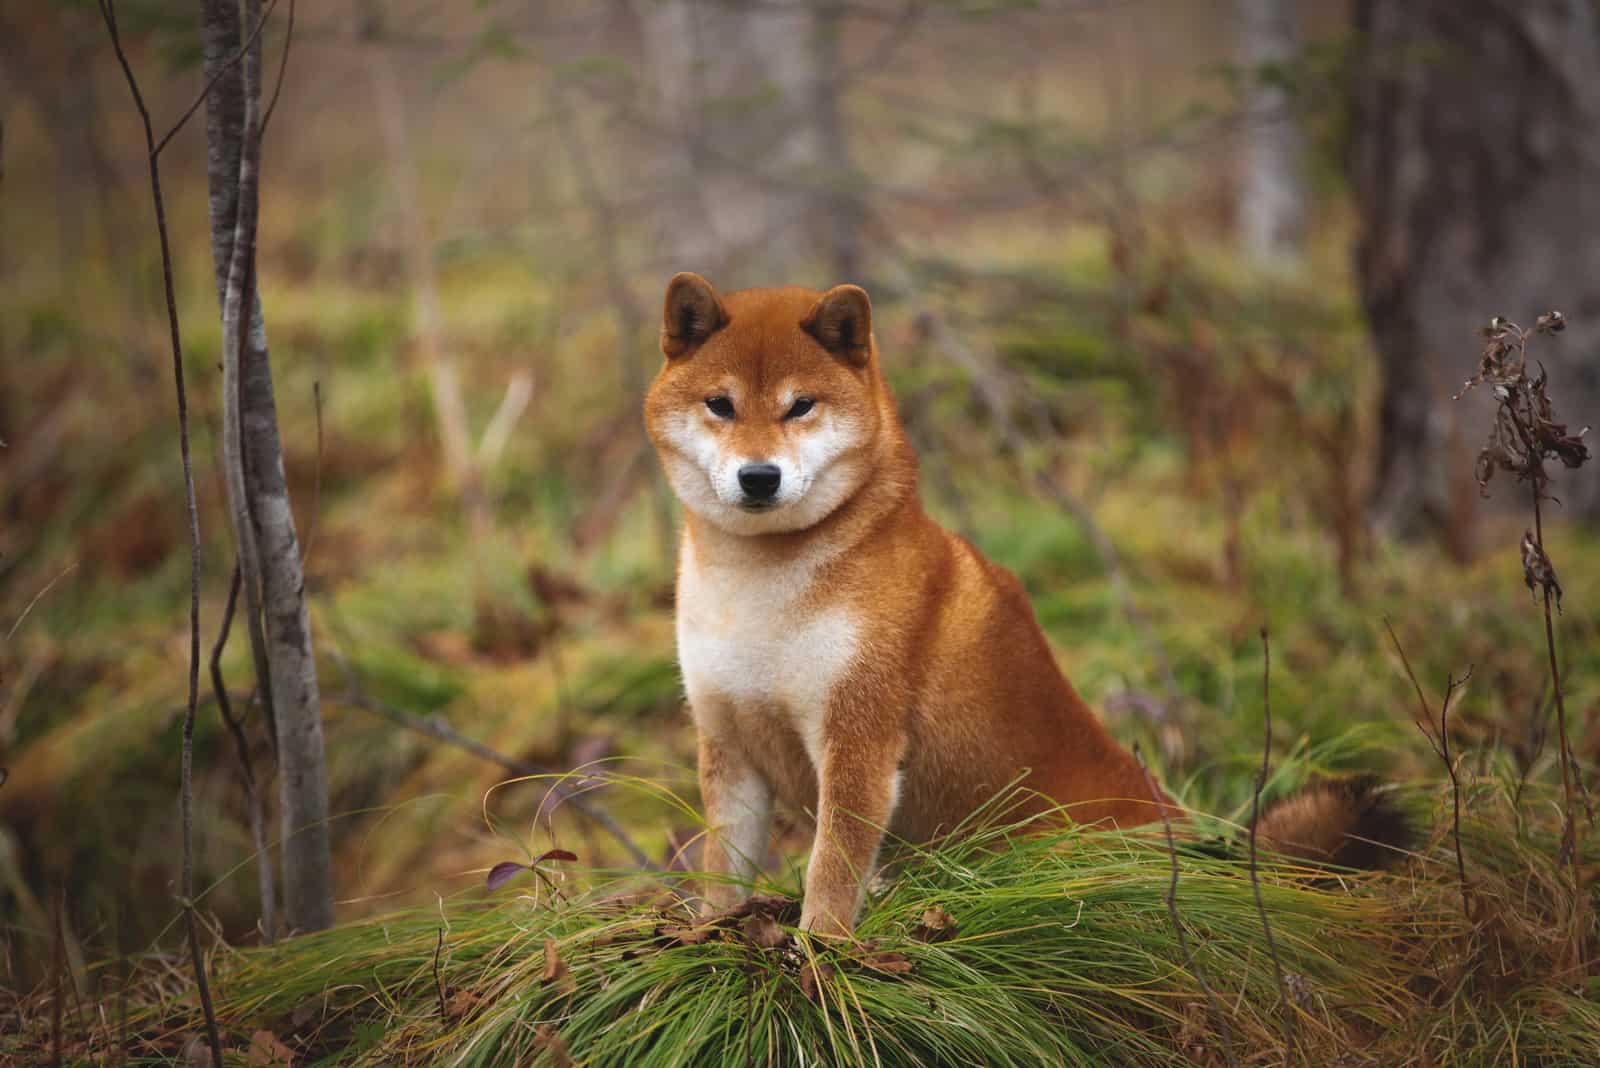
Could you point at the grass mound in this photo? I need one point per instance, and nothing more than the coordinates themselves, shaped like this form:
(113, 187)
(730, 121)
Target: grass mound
(1002, 948)
(1059, 950)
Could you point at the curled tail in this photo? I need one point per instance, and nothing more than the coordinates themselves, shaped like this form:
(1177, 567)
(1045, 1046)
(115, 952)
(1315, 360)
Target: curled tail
(1351, 823)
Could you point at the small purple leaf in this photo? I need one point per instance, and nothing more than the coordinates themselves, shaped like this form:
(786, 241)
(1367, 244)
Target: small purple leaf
(556, 854)
(503, 872)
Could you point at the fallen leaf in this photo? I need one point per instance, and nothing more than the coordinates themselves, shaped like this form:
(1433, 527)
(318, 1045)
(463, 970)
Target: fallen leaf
(888, 963)
(936, 925)
(689, 936)
(774, 905)
(461, 1003)
(811, 976)
(266, 1051)
(764, 931)
(555, 969)
(545, 1038)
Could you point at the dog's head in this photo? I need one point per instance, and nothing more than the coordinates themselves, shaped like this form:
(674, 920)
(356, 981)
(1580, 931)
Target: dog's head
(766, 410)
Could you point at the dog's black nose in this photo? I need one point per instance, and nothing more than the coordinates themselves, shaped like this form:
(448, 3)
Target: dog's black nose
(760, 481)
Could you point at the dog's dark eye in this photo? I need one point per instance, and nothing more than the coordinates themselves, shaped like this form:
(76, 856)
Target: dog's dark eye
(799, 407)
(721, 407)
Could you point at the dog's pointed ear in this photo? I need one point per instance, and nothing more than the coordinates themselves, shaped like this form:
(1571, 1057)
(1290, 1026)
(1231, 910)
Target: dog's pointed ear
(692, 312)
(842, 323)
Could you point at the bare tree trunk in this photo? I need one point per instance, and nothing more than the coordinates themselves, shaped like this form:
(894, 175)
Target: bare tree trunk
(269, 554)
(1476, 167)
(1272, 196)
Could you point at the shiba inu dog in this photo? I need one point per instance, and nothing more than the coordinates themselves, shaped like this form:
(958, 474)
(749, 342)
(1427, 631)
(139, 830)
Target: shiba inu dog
(843, 655)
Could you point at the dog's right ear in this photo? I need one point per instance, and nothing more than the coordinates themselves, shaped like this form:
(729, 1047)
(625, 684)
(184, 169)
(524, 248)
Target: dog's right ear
(691, 314)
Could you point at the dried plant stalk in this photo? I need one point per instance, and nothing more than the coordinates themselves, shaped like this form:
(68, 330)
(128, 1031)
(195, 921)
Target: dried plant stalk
(1525, 436)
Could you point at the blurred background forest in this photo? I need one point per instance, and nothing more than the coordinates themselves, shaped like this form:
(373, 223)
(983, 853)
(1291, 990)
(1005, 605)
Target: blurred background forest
(1174, 295)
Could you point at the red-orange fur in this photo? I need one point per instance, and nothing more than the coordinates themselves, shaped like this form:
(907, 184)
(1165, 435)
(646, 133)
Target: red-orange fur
(955, 684)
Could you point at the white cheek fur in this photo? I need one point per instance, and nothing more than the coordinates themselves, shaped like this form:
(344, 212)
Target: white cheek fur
(814, 481)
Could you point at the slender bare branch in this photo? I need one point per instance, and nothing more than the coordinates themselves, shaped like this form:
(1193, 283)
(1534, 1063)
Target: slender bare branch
(316, 485)
(438, 980)
(1177, 920)
(252, 794)
(57, 966)
(1439, 739)
(217, 76)
(283, 65)
(186, 779)
(1290, 1036)
(435, 727)
(48, 586)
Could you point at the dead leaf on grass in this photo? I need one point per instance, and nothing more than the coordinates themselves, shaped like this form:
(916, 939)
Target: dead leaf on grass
(888, 963)
(267, 1051)
(689, 936)
(812, 975)
(764, 931)
(936, 925)
(461, 1003)
(545, 1038)
(555, 969)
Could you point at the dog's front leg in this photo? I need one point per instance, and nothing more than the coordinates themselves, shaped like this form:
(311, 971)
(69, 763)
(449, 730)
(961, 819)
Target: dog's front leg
(738, 806)
(857, 793)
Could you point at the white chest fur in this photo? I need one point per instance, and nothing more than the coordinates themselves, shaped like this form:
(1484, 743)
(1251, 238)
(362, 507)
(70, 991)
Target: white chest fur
(747, 638)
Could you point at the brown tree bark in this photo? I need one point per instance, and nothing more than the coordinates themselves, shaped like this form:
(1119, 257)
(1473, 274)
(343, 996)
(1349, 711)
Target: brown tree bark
(1475, 160)
(269, 554)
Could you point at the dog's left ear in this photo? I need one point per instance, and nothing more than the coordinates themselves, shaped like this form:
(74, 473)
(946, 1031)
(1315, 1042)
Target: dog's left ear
(842, 323)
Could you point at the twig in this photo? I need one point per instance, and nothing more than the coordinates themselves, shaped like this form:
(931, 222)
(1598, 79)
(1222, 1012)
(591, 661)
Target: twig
(57, 964)
(438, 980)
(186, 779)
(48, 586)
(188, 113)
(119, 1041)
(1290, 1036)
(1451, 685)
(1568, 830)
(1441, 749)
(252, 795)
(1177, 921)
(316, 486)
(435, 727)
(283, 65)
(1569, 816)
